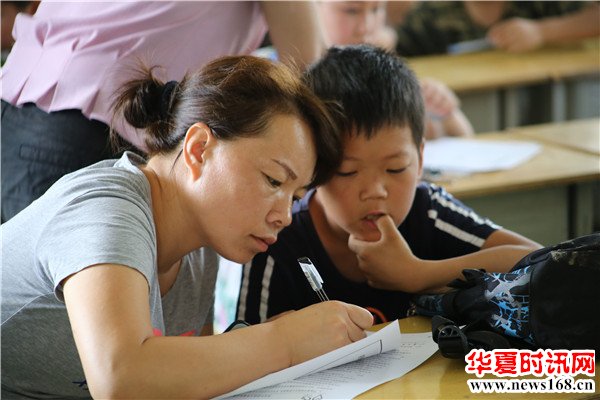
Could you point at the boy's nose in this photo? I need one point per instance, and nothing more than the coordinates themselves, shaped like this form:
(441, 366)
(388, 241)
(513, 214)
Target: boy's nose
(374, 189)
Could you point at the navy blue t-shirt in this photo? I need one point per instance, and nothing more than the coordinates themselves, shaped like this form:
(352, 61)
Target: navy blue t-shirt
(437, 227)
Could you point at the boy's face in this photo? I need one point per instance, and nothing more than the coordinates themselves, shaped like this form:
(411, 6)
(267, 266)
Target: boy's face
(377, 176)
(351, 22)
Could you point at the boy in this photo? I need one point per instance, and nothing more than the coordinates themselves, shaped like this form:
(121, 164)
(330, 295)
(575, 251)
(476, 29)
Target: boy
(374, 232)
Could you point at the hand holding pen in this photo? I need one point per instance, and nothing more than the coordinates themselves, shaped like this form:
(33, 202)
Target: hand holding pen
(313, 277)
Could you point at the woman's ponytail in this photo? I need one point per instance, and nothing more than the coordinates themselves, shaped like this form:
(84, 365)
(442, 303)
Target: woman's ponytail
(146, 103)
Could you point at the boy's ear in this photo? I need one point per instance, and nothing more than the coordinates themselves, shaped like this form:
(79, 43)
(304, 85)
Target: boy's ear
(197, 139)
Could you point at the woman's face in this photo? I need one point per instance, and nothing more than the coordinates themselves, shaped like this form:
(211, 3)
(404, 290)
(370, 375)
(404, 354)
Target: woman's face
(351, 22)
(247, 186)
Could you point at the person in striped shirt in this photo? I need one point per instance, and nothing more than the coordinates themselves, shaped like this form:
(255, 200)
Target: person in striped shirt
(374, 231)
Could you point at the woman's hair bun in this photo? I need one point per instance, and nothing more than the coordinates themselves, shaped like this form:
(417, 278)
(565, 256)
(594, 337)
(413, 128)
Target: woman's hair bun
(147, 103)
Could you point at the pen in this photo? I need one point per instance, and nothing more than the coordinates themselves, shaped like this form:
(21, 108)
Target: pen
(313, 277)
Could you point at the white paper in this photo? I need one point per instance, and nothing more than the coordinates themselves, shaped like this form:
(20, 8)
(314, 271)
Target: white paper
(348, 371)
(466, 156)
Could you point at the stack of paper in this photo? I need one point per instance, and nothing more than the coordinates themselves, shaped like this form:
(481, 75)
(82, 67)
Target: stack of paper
(466, 156)
(347, 371)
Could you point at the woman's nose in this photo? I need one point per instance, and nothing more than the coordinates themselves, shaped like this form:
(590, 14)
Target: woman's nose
(281, 213)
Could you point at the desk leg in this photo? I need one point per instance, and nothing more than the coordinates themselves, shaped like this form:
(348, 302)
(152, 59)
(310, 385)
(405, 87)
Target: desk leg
(559, 101)
(583, 97)
(511, 116)
(482, 109)
(582, 209)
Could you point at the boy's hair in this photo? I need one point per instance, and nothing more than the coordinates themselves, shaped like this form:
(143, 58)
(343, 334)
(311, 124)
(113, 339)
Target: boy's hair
(373, 87)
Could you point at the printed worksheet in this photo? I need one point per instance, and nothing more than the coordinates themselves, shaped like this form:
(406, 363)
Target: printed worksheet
(463, 156)
(348, 371)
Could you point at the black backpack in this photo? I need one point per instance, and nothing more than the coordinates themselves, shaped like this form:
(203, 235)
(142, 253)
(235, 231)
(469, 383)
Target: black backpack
(550, 299)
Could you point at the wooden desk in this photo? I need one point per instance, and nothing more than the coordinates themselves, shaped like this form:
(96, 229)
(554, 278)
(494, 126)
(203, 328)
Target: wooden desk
(554, 165)
(582, 135)
(497, 69)
(443, 378)
(488, 82)
(548, 199)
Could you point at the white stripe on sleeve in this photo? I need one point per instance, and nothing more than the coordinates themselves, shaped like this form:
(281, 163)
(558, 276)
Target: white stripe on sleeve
(264, 293)
(458, 233)
(441, 200)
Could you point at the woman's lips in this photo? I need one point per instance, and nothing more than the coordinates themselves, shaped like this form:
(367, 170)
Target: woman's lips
(264, 242)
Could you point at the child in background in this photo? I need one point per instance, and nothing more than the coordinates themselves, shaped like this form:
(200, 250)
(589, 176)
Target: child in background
(356, 22)
(430, 27)
(548, 22)
(374, 232)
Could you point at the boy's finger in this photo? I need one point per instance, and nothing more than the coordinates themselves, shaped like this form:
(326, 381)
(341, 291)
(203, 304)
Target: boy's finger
(355, 244)
(386, 226)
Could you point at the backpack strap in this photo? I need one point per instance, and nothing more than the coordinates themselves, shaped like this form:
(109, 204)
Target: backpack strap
(456, 342)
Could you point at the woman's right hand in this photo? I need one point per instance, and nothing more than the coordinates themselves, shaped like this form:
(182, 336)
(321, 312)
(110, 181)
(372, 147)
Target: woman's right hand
(320, 328)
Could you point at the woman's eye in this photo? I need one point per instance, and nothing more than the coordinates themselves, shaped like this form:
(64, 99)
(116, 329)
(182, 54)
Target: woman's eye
(273, 182)
(343, 174)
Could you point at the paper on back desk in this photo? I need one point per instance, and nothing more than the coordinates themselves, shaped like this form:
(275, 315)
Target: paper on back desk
(466, 156)
(356, 370)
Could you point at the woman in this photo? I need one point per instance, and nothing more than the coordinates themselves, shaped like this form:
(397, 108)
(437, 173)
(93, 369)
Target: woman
(112, 264)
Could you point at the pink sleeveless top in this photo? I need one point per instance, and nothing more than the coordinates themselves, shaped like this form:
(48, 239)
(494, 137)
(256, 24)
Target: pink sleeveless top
(74, 55)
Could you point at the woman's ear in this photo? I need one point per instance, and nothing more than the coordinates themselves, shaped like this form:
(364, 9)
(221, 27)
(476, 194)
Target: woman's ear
(197, 138)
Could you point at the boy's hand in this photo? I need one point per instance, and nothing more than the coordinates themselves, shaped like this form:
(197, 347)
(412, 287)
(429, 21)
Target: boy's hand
(387, 263)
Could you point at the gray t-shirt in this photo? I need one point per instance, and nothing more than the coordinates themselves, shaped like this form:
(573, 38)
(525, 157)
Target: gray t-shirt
(100, 214)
